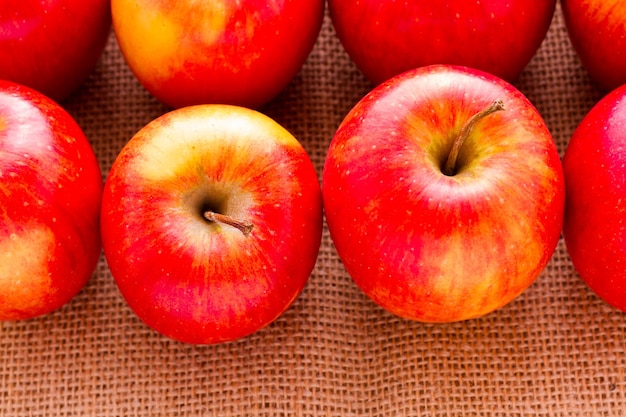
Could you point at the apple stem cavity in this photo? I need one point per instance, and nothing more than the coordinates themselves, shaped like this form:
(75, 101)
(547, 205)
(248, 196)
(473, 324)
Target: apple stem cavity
(450, 167)
(244, 226)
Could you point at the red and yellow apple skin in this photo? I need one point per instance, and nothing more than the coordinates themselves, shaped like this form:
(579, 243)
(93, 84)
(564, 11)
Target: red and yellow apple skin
(595, 214)
(233, 52)
(52, 46)
(597, 30)
(387, 37)
(50, 191)
(199, 281)
(434, 247)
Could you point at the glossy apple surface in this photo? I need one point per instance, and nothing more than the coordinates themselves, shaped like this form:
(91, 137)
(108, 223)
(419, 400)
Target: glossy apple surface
(597, 30)
(235, 52)
(188, 277)
(434, 246)
(50, 191)
(595, 173)
(387, 37)
(52, 46)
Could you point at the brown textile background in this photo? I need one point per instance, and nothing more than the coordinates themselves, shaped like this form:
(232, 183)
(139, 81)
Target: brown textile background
(558, 350)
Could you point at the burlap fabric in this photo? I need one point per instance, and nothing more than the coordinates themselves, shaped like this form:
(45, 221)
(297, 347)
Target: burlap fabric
(558, 350)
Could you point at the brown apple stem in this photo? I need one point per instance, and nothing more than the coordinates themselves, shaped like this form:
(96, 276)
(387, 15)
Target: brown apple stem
(244, 226)
(450, 166)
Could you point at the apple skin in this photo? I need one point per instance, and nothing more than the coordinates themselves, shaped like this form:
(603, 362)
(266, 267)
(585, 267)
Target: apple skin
(242, 53)
(197, 281)
(433, 247)
(597, 31)
(50, 192)
(387, 37)
(52, 46)
(595, 180)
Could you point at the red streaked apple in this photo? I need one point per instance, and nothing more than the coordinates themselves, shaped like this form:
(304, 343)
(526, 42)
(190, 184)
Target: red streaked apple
(50, 191)
(597, 30)
(52, 46)
(211, 222)
(435, 234)
(595, 176)
(387, 37)
(234, 52)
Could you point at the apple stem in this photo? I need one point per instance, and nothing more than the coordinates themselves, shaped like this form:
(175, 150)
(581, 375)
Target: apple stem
(450, 166)
(242, 225)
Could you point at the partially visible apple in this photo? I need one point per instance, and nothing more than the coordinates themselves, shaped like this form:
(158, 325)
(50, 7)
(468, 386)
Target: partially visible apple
(52, 46)
(597, 30)
(444, 194)
(211, 222)
(595, 214)
(50, 191)
(387, 37)
(234, 52)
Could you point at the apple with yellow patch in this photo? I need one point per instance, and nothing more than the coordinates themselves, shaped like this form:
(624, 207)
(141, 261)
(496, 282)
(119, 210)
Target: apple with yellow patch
(236, 52)
(50, 193)
(444, 193)
(211, 222)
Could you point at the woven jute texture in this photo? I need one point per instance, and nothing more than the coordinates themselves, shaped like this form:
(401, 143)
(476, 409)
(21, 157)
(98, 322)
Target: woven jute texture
(557, 350)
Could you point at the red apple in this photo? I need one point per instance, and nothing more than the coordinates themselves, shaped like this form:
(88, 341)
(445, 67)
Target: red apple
(595, 177)
(442, 205)
(50, 191)
(597, 30)
(211, 222)
(236, 52)
(52, 46)
(387, 37)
